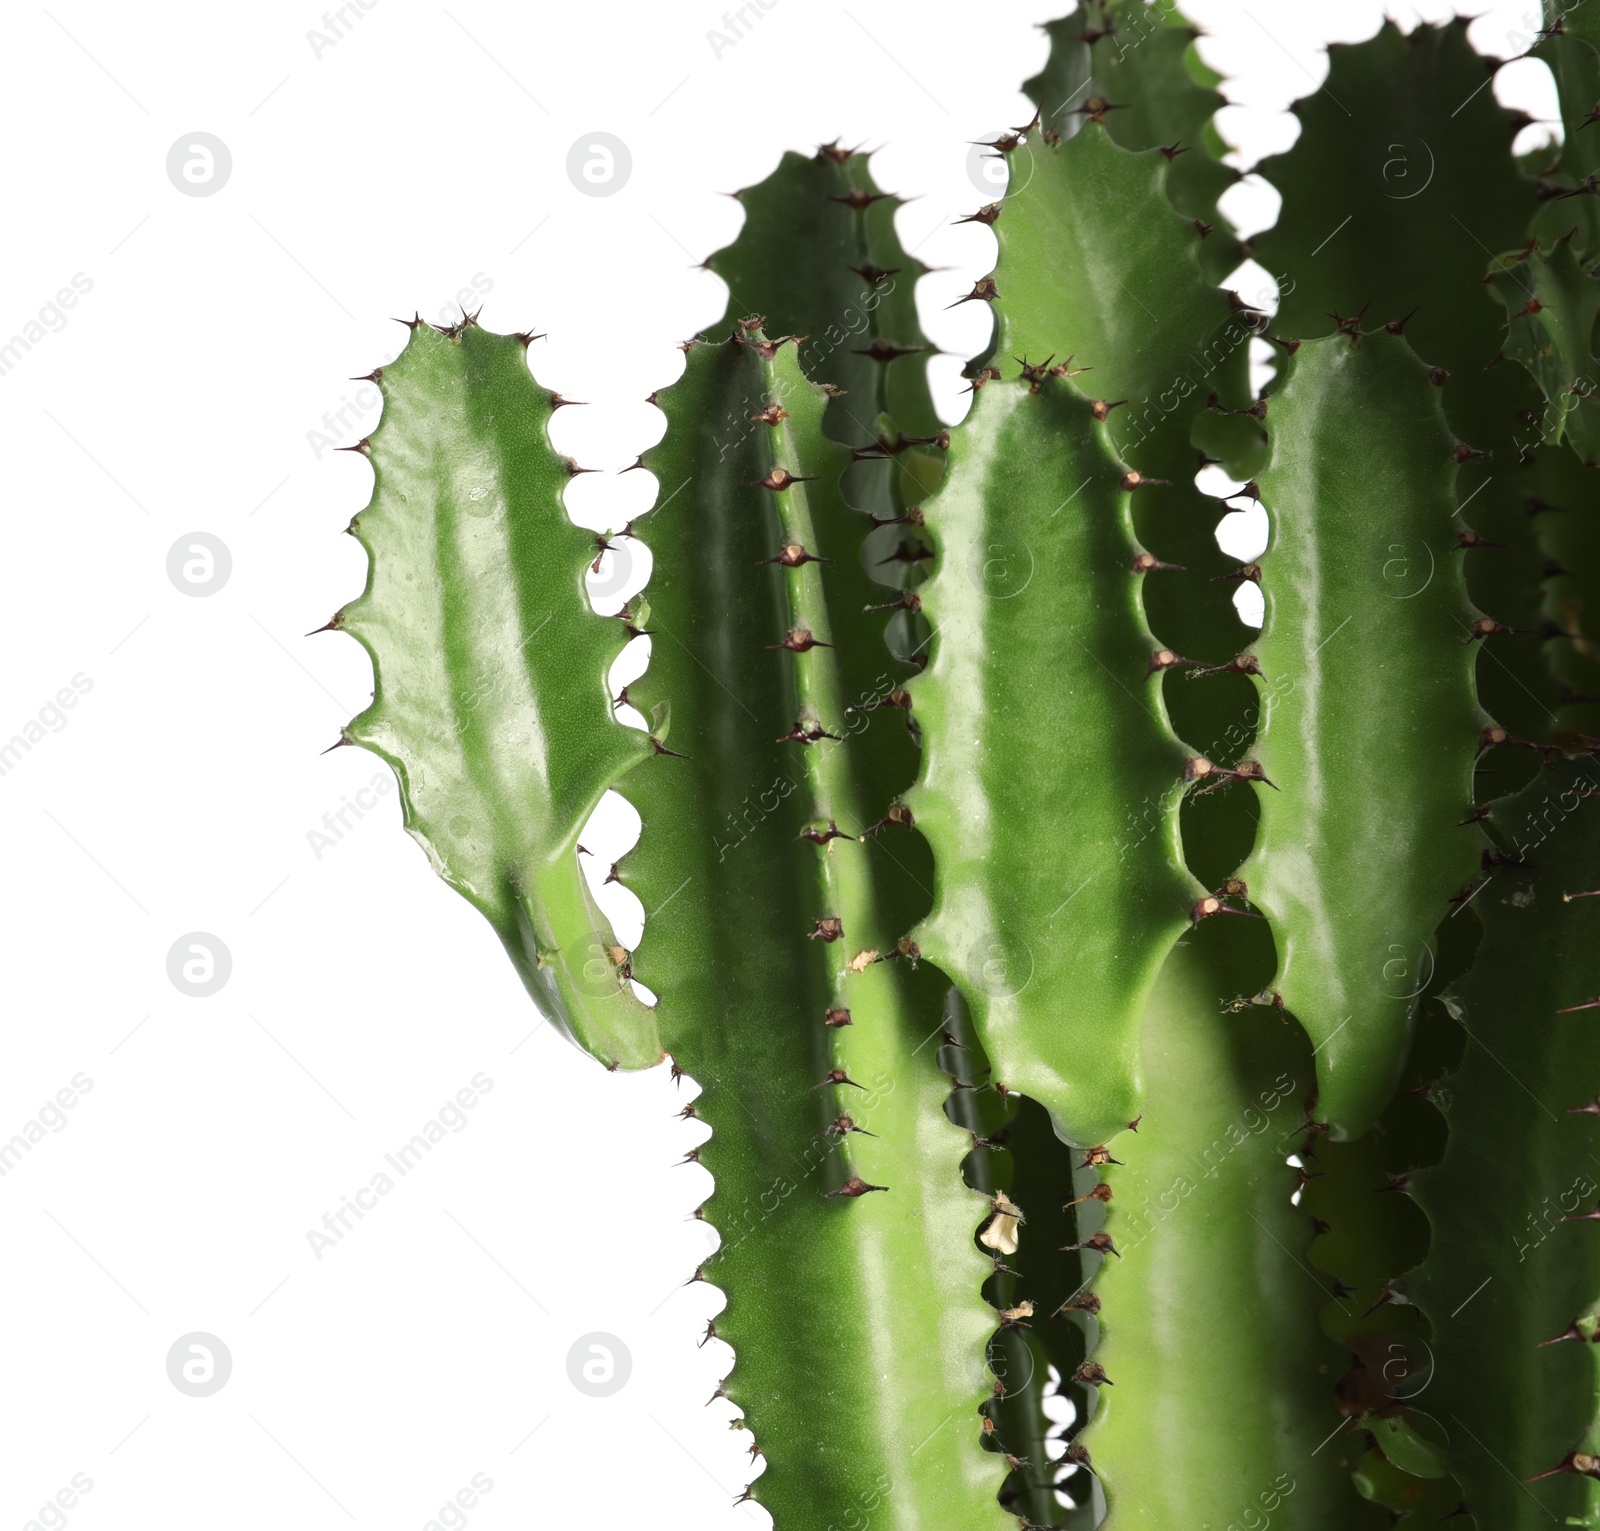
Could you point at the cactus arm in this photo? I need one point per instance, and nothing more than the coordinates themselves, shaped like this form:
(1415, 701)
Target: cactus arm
(1201, 1218)
(1552, 303)
(1034, 738)
(489, 669)
(1128, 292)
(1142, 60)
(1095, 263)
(1364, 833)
(1512, 1266)
(818, 256)
(1407, 143)
(856, 1321)
(1412, 149)
(1571, 47)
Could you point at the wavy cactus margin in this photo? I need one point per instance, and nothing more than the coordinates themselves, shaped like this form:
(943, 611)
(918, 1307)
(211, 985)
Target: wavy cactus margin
(975, 825)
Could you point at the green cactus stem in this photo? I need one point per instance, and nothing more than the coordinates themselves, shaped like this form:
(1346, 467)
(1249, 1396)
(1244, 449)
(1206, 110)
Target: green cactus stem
(1043, 724)
(1552, 304)
(1570, 45)
(489, 669)
(772, 938)
(1398, 191)
(1202, 1228)
(1512, 1286)
(1366, 809)
(1140, 60)
(1124, 296)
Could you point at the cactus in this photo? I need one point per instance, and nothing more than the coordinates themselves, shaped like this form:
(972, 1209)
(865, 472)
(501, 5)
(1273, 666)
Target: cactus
(1079, 984)
(1204, 1204)
(1141, 63)
(1031, 529)
(1522, 1141)
(781, 984)
(1570, 45)
(1411, 147)
(1362, 821)
(477, 722)
(1552, 301)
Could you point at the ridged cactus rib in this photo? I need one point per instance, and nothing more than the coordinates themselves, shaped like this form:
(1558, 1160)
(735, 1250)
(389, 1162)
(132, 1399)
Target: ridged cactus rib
(489, 694)
(1552, 304)
(818, 256)
(1512, 1285)
(1370, 724)
(1139, 61)
(1050, 780)
(854, 1312)
(1570, 45)
(1207, 1293)
(1399, 190)
(1097, 266)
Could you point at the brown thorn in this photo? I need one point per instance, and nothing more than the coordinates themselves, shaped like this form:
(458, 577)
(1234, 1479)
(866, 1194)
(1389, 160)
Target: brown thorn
(1093, 1373)
(983, 291)
(778, 479)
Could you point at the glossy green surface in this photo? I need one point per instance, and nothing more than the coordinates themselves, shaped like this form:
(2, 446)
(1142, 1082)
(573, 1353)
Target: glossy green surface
(1099, 270)
(1209, 1305)
(490, 696)
(1513, 1263)
(1097, 266)
(818, 256)
(1370, 725)
(856, 1321)
(1141, 61)
(1050, 779)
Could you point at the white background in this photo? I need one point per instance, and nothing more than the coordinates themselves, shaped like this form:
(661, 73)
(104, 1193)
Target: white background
(420, 156)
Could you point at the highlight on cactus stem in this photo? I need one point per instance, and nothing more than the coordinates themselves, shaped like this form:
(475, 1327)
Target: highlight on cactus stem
(1150, 1061)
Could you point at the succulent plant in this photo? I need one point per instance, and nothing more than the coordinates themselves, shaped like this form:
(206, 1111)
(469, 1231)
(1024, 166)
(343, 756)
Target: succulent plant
(1089, 994)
